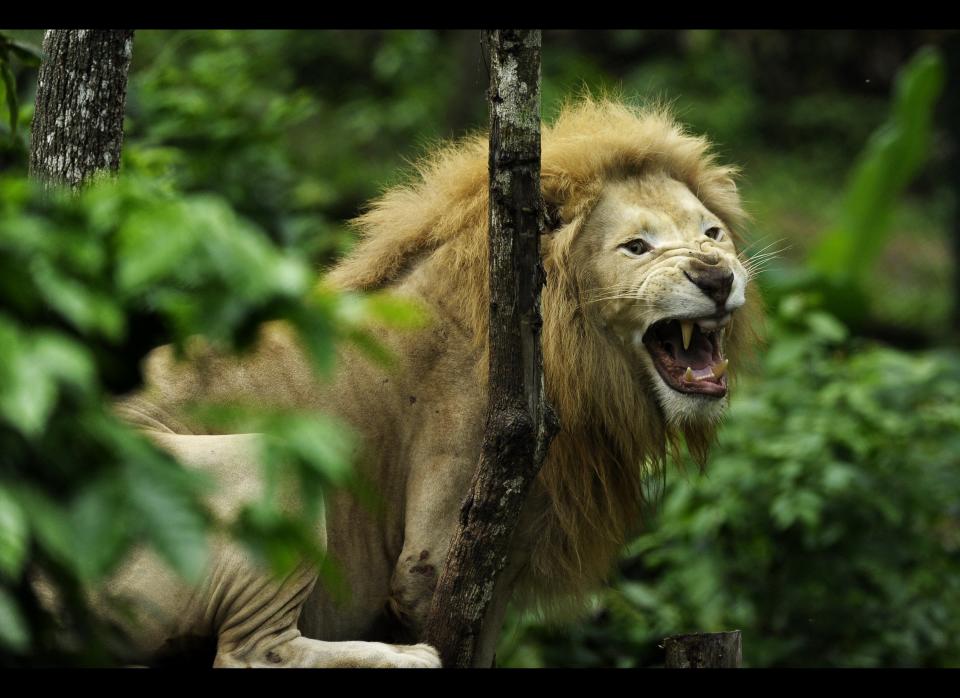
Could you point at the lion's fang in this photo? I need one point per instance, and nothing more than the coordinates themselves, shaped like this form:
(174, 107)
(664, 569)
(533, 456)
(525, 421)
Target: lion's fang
(688, 376)
(719, 368)
(686, 326)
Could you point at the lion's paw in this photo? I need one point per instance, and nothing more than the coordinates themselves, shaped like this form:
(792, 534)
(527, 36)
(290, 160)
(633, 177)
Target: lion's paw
(420, 656)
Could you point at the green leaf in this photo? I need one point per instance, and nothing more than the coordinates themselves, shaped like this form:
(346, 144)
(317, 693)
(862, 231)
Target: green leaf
(281, 541)
(169, 519)
(890, 160)
(13, 534)
(65, 359)
(367, 343)
(81, 303)
(155, 242)
(827, 327)
(27, 54)
(13, 105)
(100, 528)
(393, 311)
(290, 276)
(14, 633)
(31, 369)
(321, 443)
(49, 524)
(27, 393)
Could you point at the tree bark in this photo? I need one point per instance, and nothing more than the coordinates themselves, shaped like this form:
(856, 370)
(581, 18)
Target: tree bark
(703, 651)
(81, 93)
(520, 424)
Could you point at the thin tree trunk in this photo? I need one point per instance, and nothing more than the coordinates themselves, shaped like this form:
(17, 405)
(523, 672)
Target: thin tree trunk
(78, 122)
(520, 425)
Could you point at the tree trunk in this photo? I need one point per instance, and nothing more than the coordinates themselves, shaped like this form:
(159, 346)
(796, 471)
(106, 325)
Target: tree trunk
(703, 651)
(520, 425)
(78, 122)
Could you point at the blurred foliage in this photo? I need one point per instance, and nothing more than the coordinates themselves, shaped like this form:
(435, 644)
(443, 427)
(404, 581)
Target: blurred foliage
(88, 284)
(827, 526)
(17, 59)
(298, 129)
(12, 51)
(295, 132)
(840, 264)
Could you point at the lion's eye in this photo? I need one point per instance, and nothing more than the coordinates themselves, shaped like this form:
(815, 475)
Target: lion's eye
(636, 247)
(714, 233)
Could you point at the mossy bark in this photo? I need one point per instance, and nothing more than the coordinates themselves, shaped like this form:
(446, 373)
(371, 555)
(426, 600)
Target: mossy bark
(81, 94)
(520, 425)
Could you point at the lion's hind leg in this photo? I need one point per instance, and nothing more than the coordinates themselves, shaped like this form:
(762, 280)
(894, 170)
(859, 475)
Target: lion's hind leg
(253, 614)
(256, 618)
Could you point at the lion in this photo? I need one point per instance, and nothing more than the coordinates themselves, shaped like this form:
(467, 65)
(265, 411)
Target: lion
(647, 314)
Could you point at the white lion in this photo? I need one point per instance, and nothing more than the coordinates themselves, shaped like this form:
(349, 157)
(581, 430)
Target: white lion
(647, 311)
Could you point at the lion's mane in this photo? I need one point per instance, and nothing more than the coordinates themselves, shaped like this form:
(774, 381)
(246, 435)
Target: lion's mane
(614, 440)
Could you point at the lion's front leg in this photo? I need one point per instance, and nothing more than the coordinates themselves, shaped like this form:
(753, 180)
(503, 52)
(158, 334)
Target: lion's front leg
(303, 653)
(412, 589)
(432, 512)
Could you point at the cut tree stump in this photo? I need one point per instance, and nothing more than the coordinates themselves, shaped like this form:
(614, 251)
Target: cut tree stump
(703, 651)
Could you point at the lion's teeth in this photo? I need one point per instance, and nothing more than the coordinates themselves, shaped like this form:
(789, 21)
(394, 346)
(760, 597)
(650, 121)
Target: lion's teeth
(686, 326)
(688, 376)
(713, 323)
(719, 369)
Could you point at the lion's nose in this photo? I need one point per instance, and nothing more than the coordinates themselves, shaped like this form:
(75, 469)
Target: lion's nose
(715, 283)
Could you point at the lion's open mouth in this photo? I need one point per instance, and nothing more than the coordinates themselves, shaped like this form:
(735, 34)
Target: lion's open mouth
(688, 354)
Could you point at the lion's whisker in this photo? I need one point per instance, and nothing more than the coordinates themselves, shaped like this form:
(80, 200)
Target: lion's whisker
(757, 242)
(770, 253)
(616, 296)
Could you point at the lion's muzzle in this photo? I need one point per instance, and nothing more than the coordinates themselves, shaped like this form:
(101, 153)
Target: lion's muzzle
(688, 354)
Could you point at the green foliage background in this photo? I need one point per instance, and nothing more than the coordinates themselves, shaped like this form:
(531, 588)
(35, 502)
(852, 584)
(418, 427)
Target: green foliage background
(827, 526)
